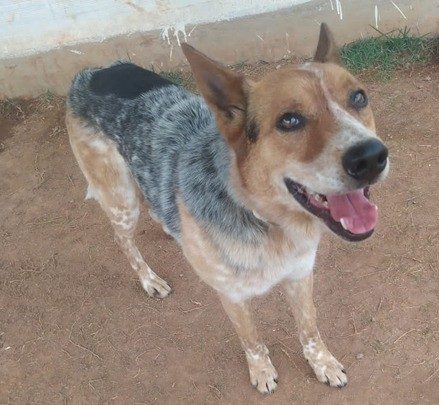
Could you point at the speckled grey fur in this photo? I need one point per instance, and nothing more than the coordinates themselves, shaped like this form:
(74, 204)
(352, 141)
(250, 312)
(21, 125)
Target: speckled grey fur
(170, 141)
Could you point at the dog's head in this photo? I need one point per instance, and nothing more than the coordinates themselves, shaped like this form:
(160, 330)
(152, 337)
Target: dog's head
(303, 137)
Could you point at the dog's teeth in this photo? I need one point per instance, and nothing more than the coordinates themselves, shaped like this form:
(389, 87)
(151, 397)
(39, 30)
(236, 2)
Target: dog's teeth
(344, 223)
(321, 200)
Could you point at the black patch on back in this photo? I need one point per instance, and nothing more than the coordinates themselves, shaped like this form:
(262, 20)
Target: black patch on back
(125, 80)
(252, 129)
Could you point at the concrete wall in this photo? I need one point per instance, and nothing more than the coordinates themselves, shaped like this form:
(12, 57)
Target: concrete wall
(30, 26)
(43, 43)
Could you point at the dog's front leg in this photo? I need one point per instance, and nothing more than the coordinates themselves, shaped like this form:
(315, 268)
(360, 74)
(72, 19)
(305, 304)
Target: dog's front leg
(263, 375)
(324, 364)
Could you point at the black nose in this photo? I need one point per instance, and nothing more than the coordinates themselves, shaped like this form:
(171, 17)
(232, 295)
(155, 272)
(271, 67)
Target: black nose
(366, 160)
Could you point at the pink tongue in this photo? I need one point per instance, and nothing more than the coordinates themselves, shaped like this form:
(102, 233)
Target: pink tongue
(356, 213)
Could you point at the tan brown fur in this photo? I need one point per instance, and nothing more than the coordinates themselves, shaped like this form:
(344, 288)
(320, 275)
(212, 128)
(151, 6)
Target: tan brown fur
(289, 89)
(340, 83)
(276, 93)
(327, 50)
(224, 91)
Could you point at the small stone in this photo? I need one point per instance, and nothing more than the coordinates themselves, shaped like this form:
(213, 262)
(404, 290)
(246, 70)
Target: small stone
(359, 356)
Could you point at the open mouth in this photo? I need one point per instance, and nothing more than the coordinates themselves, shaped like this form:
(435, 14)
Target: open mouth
(351, 216)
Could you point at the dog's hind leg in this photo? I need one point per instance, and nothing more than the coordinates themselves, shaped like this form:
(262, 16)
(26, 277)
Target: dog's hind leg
(325, 365)
(110, 182)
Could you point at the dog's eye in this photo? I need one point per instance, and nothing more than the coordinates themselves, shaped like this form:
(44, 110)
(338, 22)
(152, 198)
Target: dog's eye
(358, 99)
(291, 122)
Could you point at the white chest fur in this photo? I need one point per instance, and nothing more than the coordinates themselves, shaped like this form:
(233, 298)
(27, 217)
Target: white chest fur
(241, 271)
(246, 283)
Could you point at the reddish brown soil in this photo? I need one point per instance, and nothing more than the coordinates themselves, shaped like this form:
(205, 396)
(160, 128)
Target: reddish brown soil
(76, 327)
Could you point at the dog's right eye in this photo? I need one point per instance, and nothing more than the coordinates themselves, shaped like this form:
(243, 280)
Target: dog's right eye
(358, 99)
(291, 122)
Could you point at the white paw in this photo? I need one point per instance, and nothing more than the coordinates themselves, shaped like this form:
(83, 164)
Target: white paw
(330, 371)
(263, 376)
(155, 286)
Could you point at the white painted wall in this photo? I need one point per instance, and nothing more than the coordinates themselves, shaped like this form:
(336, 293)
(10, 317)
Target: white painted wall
(30, 26)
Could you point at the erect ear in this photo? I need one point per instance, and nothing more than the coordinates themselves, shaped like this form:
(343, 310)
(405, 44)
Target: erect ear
(224, 90)
(327, 50)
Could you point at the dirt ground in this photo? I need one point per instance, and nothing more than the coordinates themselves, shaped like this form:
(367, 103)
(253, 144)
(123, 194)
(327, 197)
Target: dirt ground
(76, 327)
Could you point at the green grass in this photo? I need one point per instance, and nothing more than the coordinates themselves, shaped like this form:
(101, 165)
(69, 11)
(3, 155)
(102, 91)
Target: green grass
(184, 79)
(387, 52)
(174, 77)
(10, 107)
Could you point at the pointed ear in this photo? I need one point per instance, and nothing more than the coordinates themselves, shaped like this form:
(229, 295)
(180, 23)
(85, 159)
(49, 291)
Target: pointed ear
(327, 50)
(224, 90)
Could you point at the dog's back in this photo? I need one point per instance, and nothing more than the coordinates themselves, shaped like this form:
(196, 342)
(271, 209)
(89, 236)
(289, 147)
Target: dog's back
(169, 140)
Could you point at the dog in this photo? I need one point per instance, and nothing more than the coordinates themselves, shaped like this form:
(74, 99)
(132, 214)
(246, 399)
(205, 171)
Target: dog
(245, 178)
